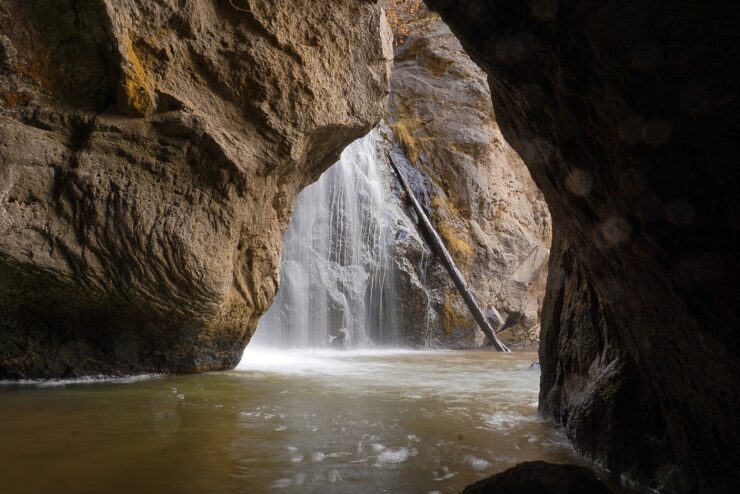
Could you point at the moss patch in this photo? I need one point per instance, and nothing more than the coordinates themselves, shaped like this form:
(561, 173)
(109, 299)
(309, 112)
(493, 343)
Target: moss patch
(404, 131)
(458, 245)
(454, 314)
(452, 229)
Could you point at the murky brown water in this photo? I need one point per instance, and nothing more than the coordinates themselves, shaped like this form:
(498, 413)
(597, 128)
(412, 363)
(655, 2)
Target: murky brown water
(403, 422)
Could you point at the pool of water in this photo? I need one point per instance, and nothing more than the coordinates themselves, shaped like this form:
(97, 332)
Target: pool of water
(308, 421)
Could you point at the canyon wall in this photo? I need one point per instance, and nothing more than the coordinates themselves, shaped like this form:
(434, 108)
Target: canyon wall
(474, 187)
(150, 154)
(626, 113)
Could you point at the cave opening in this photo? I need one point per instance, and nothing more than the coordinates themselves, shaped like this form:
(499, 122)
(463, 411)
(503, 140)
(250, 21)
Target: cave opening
(358, 268)
(366, 307)
(151, 247)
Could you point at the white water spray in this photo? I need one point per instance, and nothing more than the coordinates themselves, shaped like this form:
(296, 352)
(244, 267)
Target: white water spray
(337, 273)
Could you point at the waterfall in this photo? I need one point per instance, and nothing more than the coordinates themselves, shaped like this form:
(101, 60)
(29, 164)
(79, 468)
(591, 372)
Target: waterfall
(337, 272)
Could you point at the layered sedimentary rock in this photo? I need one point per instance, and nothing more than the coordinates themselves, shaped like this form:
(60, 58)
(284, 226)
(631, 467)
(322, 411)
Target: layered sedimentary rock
(473, 185)
(150, 153)
(626, 113)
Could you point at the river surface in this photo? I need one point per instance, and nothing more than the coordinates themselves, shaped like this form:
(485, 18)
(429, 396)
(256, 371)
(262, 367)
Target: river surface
(309, 421)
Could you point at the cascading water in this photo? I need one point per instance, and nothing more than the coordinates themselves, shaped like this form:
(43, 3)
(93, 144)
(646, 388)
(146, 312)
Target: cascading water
(337, 274)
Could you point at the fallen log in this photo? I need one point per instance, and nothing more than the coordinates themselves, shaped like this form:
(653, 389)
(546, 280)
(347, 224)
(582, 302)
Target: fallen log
(439, 248)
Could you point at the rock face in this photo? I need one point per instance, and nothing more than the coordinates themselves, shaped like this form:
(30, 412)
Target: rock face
(474, 186)
(149, 158)
(626, 114)
(539, 477)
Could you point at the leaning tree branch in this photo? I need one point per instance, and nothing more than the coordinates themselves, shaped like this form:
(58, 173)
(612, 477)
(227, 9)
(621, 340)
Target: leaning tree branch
(440, 249)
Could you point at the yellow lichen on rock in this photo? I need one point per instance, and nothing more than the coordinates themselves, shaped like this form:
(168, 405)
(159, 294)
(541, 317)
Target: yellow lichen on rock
(404, 132)
(138, 87)
(446, 216)
(401, 15)
(461, 250)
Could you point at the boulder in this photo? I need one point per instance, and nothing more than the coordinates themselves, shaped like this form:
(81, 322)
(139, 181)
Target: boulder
(150, 154)
(539, 477)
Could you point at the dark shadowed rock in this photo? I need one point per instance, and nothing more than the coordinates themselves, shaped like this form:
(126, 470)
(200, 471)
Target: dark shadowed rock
(150, 154)
(539, 477)
(627, 113)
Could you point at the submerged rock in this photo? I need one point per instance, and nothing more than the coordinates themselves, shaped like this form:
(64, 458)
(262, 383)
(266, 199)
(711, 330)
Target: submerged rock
(149, 159)
(539, 477)
(337, 338)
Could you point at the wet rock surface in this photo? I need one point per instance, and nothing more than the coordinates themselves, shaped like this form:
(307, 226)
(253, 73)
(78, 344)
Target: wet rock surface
(539, 477)
(474, 187)
(149, 159)
(627, 116)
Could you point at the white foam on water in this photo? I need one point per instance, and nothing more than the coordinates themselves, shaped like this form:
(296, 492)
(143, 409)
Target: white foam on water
(477, 463)
(505, 420)
(282, 483)
(444, 474)
(317, 457)
(99, 379)
(392, 456)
